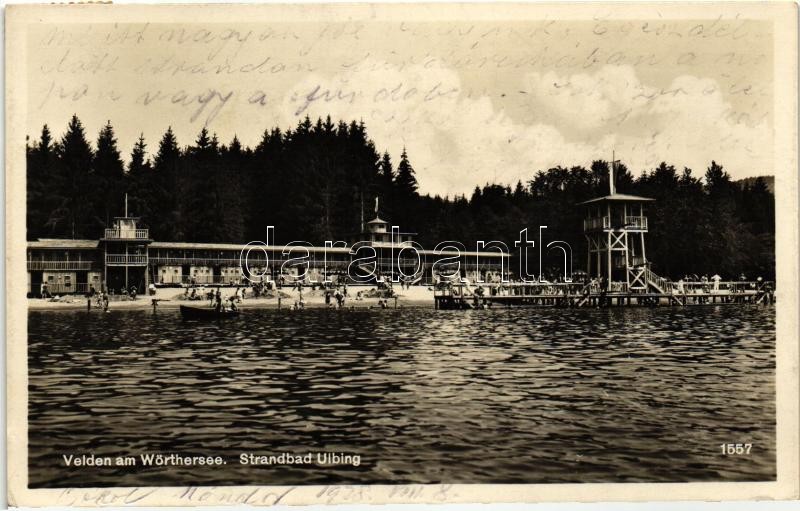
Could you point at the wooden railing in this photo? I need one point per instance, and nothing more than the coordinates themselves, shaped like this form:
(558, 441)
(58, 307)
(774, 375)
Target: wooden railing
(313, 262)
(203, 261)
(619, 287)
(660, 283)
(129, 260)
(126, 234)
(60, 265)
(726, 286)
(593, 224)
(62, 289)
(636, 222)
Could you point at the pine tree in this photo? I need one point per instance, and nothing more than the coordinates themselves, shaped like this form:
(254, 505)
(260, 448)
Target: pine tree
(718, 182)
(166, 221)
(139, 162)
(201, 205)
(404, 196)
(73, 217)
(724, 242)
(386, 184)
(108, 178)
(405, 180)
(230, 182)
(264, 194)
(141, 182)
(42, 186)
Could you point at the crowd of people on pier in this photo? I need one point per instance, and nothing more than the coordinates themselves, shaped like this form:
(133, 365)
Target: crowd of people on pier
(698, 288)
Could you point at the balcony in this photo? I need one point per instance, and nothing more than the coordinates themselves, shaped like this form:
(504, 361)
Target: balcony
(126, 260)
(203, 261)
(596, 224)
(632, 223)
(60, 265)
(126, 234)
(636, 223)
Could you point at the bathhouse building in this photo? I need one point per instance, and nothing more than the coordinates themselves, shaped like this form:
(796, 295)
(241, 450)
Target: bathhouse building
(127, 256)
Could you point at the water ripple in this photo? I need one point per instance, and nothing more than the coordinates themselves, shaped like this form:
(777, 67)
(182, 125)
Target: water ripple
(497, 396)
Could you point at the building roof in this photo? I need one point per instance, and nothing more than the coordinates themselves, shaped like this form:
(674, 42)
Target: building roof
(178, 245)
(618, 197)
(377, 220)
(63, 243)
(181, 245)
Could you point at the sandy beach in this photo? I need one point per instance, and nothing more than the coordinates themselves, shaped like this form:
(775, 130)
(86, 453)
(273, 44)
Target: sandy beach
(174, 297)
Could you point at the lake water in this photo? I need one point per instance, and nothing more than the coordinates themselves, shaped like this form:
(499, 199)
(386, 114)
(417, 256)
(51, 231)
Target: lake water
(422, 396)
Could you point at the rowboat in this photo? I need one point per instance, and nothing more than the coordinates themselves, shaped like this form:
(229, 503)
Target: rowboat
(206, 313)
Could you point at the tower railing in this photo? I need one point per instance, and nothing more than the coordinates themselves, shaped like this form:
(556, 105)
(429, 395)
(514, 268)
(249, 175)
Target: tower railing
(126, 234)
(636, 222)
(593, 224)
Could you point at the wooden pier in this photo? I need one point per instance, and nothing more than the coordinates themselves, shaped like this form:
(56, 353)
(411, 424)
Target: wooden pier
(453, 296)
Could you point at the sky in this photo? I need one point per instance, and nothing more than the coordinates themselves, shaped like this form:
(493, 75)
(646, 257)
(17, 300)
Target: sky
(473, 102)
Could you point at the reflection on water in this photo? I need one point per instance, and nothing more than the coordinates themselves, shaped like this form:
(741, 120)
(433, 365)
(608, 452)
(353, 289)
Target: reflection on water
(424, 396)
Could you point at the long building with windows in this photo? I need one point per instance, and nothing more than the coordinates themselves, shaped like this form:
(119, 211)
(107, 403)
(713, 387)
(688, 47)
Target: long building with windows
(126, 256)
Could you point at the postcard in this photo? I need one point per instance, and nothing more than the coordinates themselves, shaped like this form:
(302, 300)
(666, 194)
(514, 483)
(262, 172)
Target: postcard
(401, 253)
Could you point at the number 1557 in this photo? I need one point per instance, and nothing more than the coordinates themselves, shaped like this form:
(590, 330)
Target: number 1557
(730, 449)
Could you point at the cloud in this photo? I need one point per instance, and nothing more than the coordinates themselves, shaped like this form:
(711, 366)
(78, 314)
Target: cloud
(458, 138)
(687, 123)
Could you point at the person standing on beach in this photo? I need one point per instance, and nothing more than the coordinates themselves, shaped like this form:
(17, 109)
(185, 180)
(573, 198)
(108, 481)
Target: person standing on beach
(218, 304)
